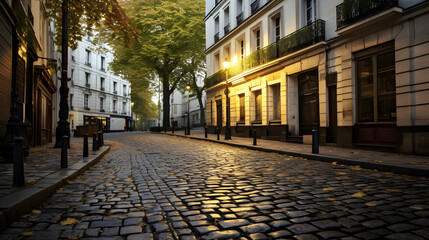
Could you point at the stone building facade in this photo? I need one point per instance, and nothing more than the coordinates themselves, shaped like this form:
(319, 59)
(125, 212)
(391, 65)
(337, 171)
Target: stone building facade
(354, 70)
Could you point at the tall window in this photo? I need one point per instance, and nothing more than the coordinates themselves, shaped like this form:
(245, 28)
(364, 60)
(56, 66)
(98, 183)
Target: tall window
(241, 52)
(310, 11)
(226, 21)
(275, 91)
(124, 88)
(87, 57)
(101, 103)
(277, 28)
(115, 86)
(86, 101)
(102, 80)
(114, 105)
(377, 89)
(242, 108)
(258, 105)
(102, 63)
(217, 62)
(87, 80)
(216, 36)
(71, 101)
(72, 74)
(124, 107)
(257, 33)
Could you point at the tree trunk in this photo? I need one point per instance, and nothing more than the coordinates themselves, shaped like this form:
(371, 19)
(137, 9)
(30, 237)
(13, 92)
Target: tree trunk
(166, 102)
(202, 118)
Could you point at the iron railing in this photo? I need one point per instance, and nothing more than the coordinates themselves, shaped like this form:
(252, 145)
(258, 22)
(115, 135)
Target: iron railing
(254, 6)
(240, 18)
(293, 42)
(351, 11)
(216, 37)
(226, 29)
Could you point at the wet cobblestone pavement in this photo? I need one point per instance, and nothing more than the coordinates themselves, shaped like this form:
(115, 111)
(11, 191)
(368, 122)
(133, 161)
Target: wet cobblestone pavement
(160, 187)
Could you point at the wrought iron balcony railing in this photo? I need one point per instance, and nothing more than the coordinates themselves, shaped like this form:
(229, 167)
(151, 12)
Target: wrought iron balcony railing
(351, 11)
(240, 18)
(226, 29)
(87, 85)
(254, 7)
(293, 42)
(216, 37)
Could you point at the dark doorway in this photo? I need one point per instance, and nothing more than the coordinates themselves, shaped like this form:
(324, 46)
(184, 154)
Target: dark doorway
(219, 114)
(332, 129)
(308, 91)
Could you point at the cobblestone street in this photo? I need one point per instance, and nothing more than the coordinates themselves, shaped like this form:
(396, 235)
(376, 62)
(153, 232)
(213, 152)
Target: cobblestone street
(152, 186)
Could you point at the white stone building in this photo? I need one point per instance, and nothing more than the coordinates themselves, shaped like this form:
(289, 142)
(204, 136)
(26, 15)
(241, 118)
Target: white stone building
(179, 109)
(354, 70)
(97, 95)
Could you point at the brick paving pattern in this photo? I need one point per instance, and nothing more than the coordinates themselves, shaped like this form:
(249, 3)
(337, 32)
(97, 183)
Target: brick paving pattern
(161, 187)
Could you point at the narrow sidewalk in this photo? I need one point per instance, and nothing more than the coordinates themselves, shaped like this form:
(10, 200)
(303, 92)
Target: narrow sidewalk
(43, 175)
(383, 161)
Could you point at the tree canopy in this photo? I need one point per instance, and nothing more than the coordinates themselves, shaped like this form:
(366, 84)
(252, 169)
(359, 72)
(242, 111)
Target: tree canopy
(170, 46)
(85, 16)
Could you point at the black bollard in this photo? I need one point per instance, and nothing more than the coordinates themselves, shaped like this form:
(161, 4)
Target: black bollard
(94, 142)
(99, 140)
(254, 137)
(64, 161)
(18, 162)
(102, 138)
(205, 131)
(85, 145)
(186, 131)
(172, 130)
(218, 132)
(315, 142)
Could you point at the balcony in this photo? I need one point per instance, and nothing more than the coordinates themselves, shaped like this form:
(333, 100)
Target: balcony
(216, 37)
(102, 110)
(293, 42)
(352, 11)
(115, 92)
(86, 108)
(240, 18)
(102, 89)
(87, 85)
(88, 64)
(254, 7)
(226, 29)
(114, 111)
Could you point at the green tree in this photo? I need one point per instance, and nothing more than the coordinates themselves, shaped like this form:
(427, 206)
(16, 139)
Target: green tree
(171, 31)
(85, 16)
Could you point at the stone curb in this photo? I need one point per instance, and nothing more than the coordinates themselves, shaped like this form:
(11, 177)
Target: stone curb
(29, 197)
(326, 158)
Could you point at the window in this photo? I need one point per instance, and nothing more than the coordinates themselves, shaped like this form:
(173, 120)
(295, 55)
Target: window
(258, 105)
(114, 105)
(275, 92)
(86, 101)
(102, 80)
(376, 88)
(242, 108)
(102, 63)
(124, 88)
(87, 57)
(217, 62)
(310, 11)
(124, 107)
(227, 27)
(101, 103)
(240, 51)
(87, 80)
(277, 28)
(216, 36)
(115, 85)
(257, 37)
(175, 109)
(71, 101)
(240, 12)
(226, 52)
(72, 74)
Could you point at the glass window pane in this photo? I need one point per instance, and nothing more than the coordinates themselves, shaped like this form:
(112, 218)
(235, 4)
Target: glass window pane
(365, 90)
(386, 87)
(258, 105)
(276, 101)
(242, 108)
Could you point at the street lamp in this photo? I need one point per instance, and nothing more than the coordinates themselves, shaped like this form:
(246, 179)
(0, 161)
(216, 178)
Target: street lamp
(226, 64)
(188, 128)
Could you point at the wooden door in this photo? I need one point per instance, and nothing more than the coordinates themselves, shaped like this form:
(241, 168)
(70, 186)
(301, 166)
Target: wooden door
(332, 129)
(308, 91)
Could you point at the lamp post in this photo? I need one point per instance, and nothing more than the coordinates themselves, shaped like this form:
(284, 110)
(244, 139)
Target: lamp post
(189, 128)
(226, 64)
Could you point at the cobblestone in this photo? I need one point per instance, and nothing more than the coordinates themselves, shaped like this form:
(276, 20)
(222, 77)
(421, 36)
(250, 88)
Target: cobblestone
(159, 187)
